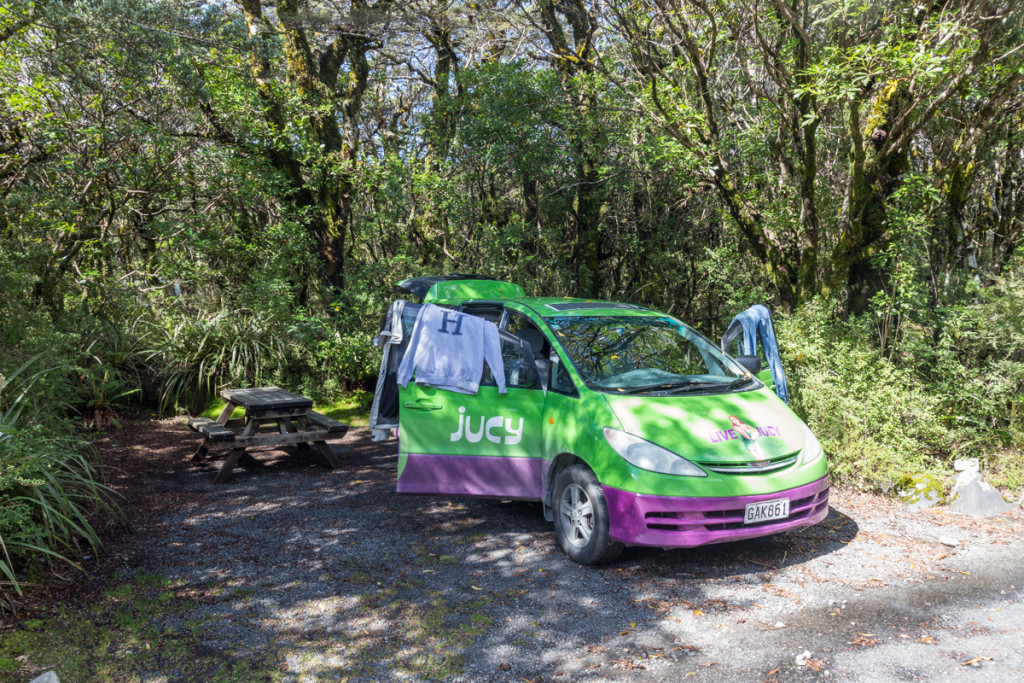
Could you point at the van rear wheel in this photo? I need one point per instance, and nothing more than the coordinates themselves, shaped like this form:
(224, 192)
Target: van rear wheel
(581, 517)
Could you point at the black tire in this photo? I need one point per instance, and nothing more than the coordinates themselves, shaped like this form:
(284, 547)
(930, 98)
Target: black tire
(581, 517)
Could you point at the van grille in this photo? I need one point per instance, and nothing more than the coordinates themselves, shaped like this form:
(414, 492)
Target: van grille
(724, 520)
(750, 467)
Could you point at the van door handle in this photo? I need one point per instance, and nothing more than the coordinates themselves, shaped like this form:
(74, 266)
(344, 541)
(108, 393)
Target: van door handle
(422, 405)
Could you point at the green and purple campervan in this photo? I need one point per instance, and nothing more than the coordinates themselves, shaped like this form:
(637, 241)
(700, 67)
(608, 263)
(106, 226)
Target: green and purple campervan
(628, 425)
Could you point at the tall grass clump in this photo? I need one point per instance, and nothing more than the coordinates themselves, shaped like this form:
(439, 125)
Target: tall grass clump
(194, 357)
(49, 487)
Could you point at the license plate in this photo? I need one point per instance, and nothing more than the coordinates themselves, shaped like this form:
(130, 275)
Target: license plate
(766, 511)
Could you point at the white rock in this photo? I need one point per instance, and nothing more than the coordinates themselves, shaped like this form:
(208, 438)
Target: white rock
(949, 540)
(48, 677)
(966, 465)
(972, 495)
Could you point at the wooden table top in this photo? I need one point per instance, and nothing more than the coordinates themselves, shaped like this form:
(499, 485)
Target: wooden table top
(267, 398)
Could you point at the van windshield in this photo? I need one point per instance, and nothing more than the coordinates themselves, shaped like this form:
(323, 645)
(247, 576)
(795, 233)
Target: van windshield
(646, 355)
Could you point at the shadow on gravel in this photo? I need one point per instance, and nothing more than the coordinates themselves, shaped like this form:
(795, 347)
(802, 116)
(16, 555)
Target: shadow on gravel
(336, 575)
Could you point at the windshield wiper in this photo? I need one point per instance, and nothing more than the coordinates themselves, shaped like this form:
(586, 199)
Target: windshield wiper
(739, 382)
(661, 386)
(696, 386)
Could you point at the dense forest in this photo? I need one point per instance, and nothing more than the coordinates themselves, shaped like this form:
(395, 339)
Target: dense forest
(202, 194)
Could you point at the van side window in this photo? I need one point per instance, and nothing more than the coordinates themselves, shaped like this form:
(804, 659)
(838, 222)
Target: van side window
(528, 332)
(561, 381)
(517, 374)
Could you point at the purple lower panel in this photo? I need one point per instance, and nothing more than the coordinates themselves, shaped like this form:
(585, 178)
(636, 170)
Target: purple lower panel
(669, 522)
(474, 475)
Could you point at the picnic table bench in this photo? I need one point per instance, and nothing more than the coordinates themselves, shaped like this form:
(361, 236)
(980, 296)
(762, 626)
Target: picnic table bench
(292, 417)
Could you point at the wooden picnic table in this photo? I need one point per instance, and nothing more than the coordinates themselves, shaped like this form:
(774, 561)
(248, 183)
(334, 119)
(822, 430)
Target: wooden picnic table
(292, 417)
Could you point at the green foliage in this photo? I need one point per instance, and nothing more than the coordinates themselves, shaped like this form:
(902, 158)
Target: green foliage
(882, 415)
(49, 486)
(900, 303)
(196, 357)
(875, 419)
(978, 371)
(176, 195)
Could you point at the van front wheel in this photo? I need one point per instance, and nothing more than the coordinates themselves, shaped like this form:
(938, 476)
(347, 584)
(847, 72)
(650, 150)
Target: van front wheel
(581, 517)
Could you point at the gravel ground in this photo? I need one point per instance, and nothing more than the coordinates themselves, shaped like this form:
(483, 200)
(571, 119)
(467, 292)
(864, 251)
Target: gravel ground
(339, 578)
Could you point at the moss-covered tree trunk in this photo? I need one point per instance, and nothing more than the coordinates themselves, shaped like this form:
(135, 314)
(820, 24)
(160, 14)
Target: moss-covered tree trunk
(332, 99)
(575, 64)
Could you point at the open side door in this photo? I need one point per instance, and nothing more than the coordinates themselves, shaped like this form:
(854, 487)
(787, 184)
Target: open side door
(485, 444)
(751, 333)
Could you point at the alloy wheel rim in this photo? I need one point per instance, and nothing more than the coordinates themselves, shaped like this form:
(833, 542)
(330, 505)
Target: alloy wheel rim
(577, 512)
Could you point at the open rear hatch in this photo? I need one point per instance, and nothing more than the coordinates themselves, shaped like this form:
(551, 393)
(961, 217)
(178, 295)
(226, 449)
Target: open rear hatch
(458, 287)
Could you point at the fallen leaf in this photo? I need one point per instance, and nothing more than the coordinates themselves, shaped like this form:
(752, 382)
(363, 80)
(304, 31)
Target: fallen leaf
(773, 672)
(927, 640)
(864, 641)
(476, 588)
(709, 664)
(814, 664)
(698, 613)
(977, 660)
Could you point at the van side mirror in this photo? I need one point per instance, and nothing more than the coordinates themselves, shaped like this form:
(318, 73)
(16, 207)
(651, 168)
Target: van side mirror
(751, 364)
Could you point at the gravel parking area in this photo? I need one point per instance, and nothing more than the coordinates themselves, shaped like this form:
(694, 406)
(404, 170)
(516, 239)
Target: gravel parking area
(329, 575)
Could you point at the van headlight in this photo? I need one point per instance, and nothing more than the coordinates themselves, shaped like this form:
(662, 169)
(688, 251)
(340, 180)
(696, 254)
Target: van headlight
(649, 456)
(812, 447)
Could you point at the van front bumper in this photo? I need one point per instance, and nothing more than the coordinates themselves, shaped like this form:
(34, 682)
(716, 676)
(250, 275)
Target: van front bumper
(671, 522)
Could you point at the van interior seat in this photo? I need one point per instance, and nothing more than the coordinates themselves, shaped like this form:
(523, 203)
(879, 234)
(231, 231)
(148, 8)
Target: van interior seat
(535, 339)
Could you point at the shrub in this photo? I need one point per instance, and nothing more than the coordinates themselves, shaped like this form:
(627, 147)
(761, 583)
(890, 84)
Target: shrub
(978, 371)
(194, 357)
(875, 418)
(49, 487)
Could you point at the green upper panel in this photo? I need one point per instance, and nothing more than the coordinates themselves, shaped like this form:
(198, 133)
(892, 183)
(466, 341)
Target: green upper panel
(457, 291)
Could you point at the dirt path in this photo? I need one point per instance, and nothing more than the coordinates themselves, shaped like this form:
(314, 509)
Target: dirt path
(297, 573)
